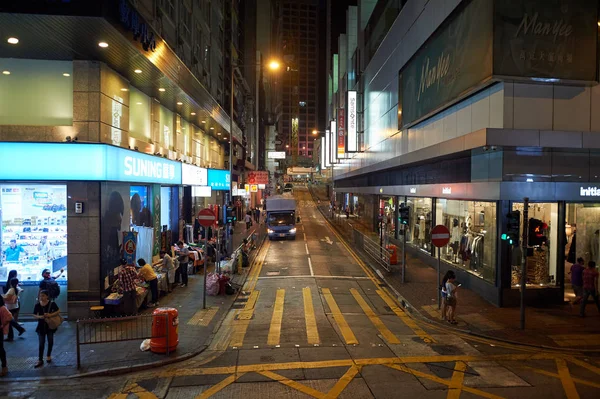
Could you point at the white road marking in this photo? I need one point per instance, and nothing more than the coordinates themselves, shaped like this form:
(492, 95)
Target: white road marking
(306, 246)
(316, 276)
(327, 240)
(304, 236)
(310, 267)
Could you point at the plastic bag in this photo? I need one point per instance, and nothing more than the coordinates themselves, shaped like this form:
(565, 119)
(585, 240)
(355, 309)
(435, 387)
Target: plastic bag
(212, 284)
(145, 346)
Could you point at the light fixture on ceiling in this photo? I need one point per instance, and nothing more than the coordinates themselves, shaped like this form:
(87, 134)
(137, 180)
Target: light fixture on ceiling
(13, 40)
(212, 128)
(218, 134)
(161, 89)
(124, 89)
(5, 72)
(138, 71)
(179, 103)
(203, 121)
(193, 114)
(103, 44)
(138, 103)
(66, 74)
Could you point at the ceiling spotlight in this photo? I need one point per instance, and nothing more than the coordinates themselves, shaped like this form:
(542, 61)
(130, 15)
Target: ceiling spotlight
(5, 72)
(103, 44)
(138, 103)
(218, 134)
(124, 89)
(161, 89)
(13, 40)
(212, 128)
(138, 71)
(193, 114)
(179, 103)
(203, 121)
(66, 74)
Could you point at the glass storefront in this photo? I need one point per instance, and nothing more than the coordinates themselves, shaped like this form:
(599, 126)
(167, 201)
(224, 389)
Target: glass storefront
(419, 229)
(34, 230)
(542, 265)
(387, 208)
(472, 226)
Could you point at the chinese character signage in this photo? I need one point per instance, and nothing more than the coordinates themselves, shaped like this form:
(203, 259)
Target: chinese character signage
(455, 59)
(546, 39)
(258, 177)
(351, 142)
(341, 138)
(219, 179)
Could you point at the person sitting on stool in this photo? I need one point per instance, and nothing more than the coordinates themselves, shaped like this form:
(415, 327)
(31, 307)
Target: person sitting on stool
(146, 272)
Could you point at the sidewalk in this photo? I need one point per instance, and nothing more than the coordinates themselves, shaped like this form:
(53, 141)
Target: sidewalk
(196, 327)
(556, 326)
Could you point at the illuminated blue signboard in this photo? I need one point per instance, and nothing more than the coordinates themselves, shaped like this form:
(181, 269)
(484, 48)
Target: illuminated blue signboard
(219, 179)
(78, 161)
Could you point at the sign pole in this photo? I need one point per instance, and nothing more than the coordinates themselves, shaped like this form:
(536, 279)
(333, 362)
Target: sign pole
(524, 258)
(403, 252)
(439, 294)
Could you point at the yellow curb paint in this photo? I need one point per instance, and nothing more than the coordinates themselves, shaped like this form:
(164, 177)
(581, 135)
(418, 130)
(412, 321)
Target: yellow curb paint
(410, 323)
(240, 326)
(275, 327)
(566, 380)
(312, 332)
(342, 383)
(375, 320)
(218, 387)
(293, 384)
(456, 382)
(339, 319)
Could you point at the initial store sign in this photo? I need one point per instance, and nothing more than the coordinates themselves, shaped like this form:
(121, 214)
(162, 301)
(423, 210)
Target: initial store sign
(589, 192)
(447, 190)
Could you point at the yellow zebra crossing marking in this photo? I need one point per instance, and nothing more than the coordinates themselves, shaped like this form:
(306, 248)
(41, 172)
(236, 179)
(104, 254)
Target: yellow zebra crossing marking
(243, 321)
(339, 319)
(385, 332)
(275, 328)
(312, 332)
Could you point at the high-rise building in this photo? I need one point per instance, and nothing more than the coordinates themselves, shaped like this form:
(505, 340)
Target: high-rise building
(300, 44)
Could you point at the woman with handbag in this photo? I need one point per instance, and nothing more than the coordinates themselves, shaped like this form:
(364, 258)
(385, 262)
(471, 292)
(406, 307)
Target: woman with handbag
(11, 299)
(5, 319)
(49, 319)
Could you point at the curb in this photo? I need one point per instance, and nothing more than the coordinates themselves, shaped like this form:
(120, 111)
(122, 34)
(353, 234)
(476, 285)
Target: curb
(144, 366)
(406, 305)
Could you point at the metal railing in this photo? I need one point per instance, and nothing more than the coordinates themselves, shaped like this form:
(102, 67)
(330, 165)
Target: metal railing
(117, 329)
(251, 242)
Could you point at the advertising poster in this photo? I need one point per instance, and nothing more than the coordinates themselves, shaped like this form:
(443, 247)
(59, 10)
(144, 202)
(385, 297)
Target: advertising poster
(115, 207)
(129, 246)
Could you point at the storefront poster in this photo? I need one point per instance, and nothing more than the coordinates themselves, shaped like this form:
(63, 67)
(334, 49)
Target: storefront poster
(129, 246)
(341, 138)
(156, 216)
(115, 218)
(455, 59)
(546, 39)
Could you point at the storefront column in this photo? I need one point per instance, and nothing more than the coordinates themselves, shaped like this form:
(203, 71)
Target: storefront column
(562, 243)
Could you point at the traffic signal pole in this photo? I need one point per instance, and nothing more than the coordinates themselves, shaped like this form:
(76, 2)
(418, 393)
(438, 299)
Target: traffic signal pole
(524, 258)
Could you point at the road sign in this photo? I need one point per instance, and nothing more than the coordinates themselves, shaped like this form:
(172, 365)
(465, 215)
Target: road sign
(440, 235)
(206, 217)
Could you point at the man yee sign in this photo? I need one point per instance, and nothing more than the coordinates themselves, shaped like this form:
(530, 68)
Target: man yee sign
(545, 41)
(457, 57)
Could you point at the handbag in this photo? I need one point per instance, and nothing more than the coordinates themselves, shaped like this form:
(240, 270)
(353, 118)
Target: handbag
(55, 321)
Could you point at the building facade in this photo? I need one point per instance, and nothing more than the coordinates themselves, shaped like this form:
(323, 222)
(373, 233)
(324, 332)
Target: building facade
(464, 109)
(114, 116)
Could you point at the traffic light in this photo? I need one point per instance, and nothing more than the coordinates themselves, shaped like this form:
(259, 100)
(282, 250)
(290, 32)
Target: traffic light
(230, 214)
(404, 217)
(513, 226)
(537, 232)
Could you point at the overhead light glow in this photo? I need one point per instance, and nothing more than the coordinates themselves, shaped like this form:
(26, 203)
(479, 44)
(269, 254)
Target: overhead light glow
(66, 74)
(203, 121)
(212, 128)
(179, 103)
(138, 103)
(138, 71)
(13, 40)
(103, 44)
(193, 114)
(124, 89)
(5, 72)
(161, 89)
(218, 134)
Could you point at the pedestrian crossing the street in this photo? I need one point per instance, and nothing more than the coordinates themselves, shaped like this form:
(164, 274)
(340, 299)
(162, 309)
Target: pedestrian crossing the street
(313, 316)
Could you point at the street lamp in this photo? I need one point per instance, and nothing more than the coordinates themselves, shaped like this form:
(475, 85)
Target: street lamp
(315, 132)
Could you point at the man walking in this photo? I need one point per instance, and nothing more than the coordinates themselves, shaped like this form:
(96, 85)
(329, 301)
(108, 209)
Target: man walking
(183, 256)
(590, 287)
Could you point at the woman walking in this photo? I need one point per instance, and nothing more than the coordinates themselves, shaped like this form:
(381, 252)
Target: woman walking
(11, 274)
(451, 298)
(5, 319)
(449, 274)
(43, 310)
(11, 299)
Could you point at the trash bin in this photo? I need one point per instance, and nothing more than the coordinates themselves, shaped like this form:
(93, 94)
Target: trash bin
(163, 320)
(394, 254)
